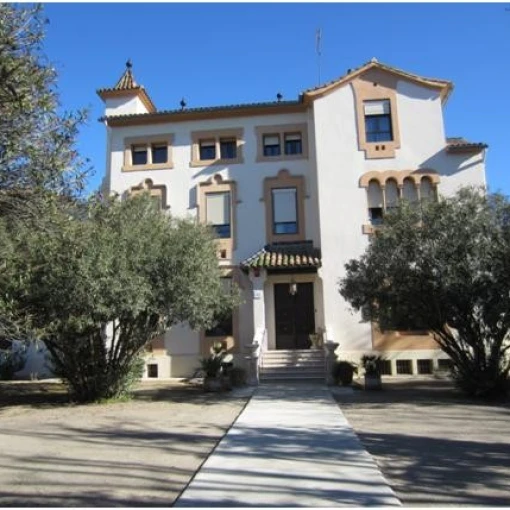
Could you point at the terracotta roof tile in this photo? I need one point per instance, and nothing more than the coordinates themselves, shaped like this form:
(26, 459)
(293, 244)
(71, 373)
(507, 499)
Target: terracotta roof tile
(300, 255)
(460, 144)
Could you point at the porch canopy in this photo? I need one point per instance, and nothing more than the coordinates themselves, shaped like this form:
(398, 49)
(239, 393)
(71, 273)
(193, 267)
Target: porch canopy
(285, 256)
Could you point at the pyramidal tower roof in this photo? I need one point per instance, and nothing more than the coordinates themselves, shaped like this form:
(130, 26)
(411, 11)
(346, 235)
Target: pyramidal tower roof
(127, 85)
(127, 80)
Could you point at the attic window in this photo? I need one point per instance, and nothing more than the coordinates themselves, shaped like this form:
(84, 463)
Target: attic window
(378, 121)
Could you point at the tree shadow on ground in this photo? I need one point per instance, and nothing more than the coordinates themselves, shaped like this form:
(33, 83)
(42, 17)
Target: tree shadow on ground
(444, 472)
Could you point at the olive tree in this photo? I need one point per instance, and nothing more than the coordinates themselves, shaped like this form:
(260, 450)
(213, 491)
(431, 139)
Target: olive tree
(97, 285)
(446, 266)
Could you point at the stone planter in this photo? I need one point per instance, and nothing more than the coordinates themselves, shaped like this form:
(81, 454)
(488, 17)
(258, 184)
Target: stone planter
(373, 382)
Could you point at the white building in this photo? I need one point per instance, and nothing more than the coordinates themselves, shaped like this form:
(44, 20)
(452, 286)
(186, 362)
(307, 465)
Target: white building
(294, 190)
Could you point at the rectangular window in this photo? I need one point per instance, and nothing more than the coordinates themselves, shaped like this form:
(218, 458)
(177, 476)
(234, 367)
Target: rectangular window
(284, 211)
(271, 145)
(378, 121)
(228, 148)
(139, 155)
(385, 367)
(376, 215)
(424, 366)
(444, 364)
(152, 370)
(293, 144)
(404, 366)
(159, 153)
(207, 149)
(218, 213)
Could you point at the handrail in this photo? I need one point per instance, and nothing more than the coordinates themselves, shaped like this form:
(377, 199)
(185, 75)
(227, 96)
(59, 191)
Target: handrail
(260, 338)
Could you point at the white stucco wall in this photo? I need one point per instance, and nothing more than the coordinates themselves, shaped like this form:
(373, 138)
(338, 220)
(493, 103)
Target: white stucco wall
(335, 205)
(124, 106)
(343, 204)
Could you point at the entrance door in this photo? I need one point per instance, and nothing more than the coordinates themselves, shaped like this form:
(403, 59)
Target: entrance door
(294, 316)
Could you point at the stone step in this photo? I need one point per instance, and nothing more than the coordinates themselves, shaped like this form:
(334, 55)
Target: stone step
(300, 363)
(267, 375)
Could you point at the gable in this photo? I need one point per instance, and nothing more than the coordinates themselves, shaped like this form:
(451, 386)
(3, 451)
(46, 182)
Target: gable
(375, 72)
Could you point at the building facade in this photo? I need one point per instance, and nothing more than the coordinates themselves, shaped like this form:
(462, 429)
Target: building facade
(293, 189)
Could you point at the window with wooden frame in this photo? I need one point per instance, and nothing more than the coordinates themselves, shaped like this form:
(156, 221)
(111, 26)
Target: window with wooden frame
(217, 147)
(148, 153)
(282, 142)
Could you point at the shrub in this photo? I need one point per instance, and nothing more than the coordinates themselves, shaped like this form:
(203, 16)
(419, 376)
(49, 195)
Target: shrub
(371, 363)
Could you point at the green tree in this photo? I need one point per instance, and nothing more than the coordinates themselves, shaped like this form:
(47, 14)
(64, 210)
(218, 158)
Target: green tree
(446, 266)
(98, 285)
(38, 158)
(37, 143)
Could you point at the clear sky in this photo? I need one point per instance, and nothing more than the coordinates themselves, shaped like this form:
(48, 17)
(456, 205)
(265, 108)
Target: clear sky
(213, 54)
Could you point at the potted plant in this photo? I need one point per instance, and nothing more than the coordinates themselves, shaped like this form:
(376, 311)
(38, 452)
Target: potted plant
(215, 369)
(343, 372)
(372, 366)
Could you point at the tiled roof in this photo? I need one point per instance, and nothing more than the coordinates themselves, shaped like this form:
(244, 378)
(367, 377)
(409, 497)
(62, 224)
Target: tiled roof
(127, 83)
(459, 144)
(206, 109)
(301, 255)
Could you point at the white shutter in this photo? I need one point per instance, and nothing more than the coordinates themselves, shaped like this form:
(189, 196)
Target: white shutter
(218, 208)
(381, 107)
(391, 193)
(292, 137)
(375, 197)
(271, 140)
(409, 192)
(284, 205)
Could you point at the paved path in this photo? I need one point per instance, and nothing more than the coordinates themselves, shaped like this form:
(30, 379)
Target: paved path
(291, 446)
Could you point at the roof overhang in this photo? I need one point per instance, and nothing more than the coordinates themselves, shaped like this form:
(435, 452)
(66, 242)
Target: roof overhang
(206, 113)
(443, 86)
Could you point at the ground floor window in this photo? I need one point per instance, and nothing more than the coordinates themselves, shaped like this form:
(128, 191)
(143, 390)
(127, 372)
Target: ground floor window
(404, 366)
(152, 370)
(424, 366)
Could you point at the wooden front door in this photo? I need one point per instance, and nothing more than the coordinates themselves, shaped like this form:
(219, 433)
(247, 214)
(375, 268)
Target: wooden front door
(294, 316)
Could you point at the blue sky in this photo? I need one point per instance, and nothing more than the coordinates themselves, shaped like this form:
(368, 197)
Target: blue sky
(214, 54)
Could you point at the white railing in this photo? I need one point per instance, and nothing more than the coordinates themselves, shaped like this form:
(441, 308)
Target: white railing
(255, 355)
(261, 339)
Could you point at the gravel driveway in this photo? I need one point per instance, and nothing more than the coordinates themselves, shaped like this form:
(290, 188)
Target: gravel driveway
(434, 446)
(138, 453)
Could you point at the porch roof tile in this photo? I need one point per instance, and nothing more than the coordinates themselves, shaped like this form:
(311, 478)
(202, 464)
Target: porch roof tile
(301, 255)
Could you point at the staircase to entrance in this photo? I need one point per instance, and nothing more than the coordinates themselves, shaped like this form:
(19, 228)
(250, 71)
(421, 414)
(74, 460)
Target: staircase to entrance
(295, 364)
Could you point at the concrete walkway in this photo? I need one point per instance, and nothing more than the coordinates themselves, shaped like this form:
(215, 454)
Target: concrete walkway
(290, 447)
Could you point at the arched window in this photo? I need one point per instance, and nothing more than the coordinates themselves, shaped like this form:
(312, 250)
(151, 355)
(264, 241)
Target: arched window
(409, 191)
(391, 194)
(375, 202)
(427, 189)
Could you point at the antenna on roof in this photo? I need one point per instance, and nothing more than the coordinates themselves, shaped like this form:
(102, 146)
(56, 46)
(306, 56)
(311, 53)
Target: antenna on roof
(318, 41)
